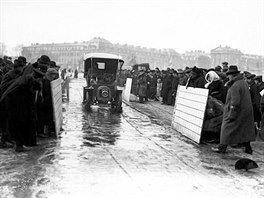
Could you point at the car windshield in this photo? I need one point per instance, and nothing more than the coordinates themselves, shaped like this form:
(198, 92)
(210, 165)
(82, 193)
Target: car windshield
(102, 71)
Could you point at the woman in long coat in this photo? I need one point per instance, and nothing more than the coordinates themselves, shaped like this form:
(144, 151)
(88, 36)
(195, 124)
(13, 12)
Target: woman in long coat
(238, 119)
(142, 86)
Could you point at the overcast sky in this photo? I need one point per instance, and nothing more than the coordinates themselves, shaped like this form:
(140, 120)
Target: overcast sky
(179, 24)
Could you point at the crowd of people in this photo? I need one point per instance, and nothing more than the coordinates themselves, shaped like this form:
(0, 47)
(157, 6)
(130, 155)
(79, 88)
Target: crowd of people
(26, 110)
(26, 104)
(239, 94)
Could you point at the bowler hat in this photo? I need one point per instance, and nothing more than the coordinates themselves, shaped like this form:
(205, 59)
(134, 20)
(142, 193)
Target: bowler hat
(180, 71)
(44, 59)
(258, 78)
(52, 64)
(250, 76)
(232, 70)
(196, 70)
(23, 59)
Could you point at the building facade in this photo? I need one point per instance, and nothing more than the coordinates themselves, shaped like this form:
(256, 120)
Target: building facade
(198, 58)
(222, 54)
(245, 62)
(70, 55)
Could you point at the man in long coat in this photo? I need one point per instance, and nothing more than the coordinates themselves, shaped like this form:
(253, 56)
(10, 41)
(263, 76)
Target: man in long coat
(255, 98)
(174, 87)
(166, 86)
(142, 86)
(238, 119)
(196, 79)
(21, 117)
(8, 79)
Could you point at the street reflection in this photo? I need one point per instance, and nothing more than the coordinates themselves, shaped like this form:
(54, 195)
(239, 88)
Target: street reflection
(100, 127)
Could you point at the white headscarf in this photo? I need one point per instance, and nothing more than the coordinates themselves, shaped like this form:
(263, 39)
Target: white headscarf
(210, 77)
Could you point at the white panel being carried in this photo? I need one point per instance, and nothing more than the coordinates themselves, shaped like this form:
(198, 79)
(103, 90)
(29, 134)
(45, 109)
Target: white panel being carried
(56, 94)
(127, 89)
(189, 110)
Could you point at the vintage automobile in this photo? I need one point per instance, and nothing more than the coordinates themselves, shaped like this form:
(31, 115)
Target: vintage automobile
(101, 71)
(141, 66)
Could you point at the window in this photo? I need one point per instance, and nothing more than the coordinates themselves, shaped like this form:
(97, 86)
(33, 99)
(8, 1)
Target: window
(101, 65)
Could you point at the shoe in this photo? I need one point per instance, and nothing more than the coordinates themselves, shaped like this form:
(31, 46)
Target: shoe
(22, 149)
(219, 149)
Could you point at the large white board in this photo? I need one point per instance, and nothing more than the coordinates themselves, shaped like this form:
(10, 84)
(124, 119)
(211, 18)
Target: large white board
(56, 94)
(127, 89)
(189, 110)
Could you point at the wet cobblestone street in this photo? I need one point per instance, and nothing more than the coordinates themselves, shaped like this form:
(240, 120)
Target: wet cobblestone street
(132, 154)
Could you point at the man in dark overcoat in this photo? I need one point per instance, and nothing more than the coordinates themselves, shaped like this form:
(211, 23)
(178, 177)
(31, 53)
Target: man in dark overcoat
(21, 115)
(255, 97)
(174, 87)
(8, 79)
(142, 86)
(196, 79)
(166, 86)
(259, 82)
(45, 106)
(153, 84)
(238, 119)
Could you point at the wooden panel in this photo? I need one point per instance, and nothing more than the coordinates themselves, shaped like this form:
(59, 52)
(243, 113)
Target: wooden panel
(127, 89)
(193, 97)
(195, 137)
(192, 111)
(189, 117)
(189, 111)
(190, 103)
(195, 91)
(56, 93)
